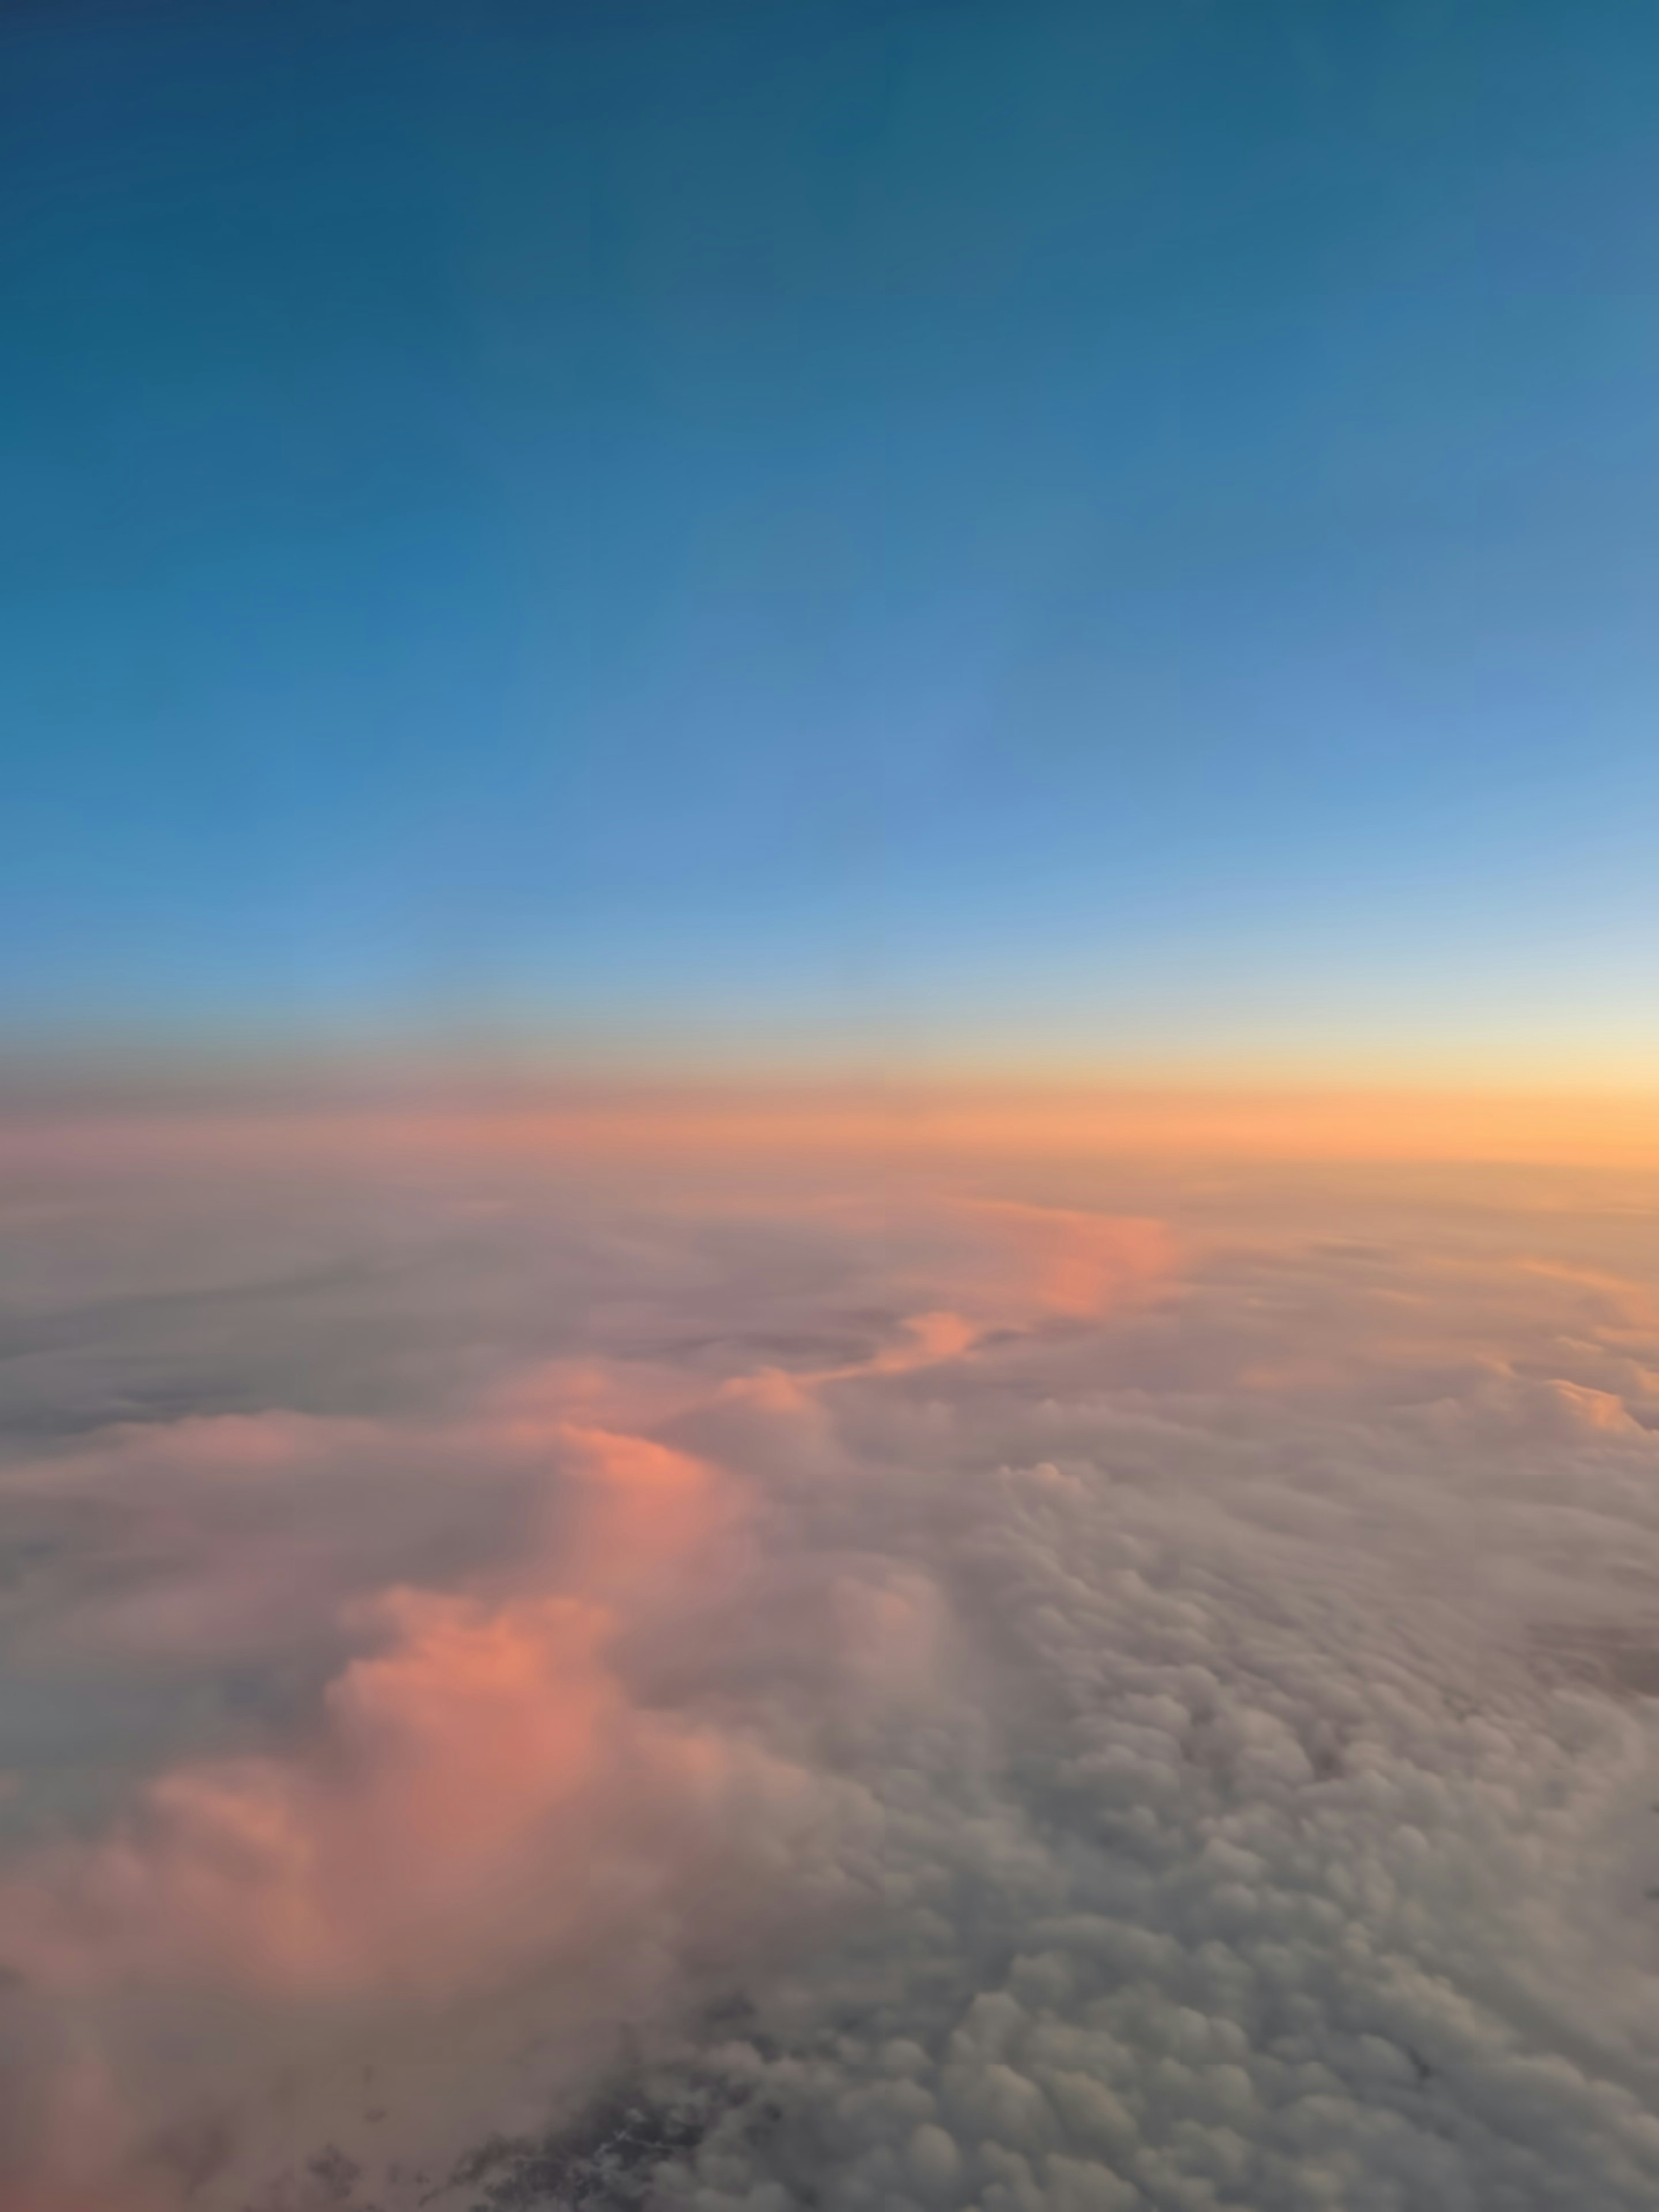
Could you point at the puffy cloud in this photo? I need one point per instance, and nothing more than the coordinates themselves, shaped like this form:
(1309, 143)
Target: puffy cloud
(988, 1699)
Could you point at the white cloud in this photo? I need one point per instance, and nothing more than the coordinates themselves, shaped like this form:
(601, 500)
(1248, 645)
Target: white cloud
(1161, 1739)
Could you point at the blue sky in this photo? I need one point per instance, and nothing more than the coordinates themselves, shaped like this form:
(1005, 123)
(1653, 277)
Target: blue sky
(1024, 530)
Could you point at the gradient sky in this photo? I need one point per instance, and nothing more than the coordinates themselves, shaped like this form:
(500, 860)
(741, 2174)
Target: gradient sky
(1111, 532)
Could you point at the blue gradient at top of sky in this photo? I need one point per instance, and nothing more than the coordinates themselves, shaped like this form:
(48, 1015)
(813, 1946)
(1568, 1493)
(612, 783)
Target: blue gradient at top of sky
(1119, 529)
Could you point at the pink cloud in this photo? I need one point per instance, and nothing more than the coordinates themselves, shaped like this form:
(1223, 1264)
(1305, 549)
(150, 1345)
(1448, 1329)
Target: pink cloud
(485, 1792)
(1063, 1261)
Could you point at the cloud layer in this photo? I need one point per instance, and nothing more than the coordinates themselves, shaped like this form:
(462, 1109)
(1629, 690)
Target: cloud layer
(1068, 1690)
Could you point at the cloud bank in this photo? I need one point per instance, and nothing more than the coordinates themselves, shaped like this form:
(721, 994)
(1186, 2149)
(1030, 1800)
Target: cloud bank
(1062, 1690)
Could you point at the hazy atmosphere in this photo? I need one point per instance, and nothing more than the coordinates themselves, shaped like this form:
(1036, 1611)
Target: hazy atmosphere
(829, 1107)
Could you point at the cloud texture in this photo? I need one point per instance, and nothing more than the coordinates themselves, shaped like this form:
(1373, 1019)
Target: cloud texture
(1064, 1692)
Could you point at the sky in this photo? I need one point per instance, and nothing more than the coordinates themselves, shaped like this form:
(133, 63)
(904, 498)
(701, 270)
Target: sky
(1034, 536)
(828, 1106)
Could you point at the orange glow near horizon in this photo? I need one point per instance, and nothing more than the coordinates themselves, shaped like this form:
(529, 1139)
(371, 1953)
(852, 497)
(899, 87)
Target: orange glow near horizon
(1558, 1127)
